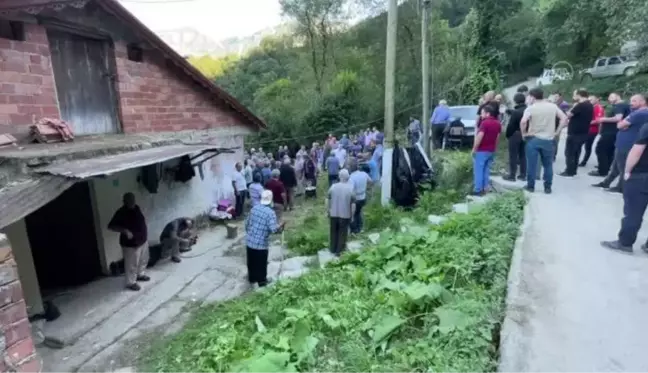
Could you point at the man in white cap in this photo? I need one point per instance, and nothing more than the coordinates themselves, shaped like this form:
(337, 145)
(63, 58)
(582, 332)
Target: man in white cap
(261, 223)
(341, 207)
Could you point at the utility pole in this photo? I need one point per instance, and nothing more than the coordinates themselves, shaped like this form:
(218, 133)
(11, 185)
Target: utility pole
(425, 74)
(390, 78)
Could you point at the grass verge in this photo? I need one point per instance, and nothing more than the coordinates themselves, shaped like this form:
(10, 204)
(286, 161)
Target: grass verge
(428, 299)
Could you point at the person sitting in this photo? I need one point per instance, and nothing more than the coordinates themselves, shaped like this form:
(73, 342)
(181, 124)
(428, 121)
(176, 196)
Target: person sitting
(177, 237)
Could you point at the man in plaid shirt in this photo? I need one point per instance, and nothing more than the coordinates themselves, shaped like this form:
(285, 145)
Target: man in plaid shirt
(261, 223)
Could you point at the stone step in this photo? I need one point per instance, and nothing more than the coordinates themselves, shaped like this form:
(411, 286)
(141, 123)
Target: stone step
(460, 208)
(436, 219)
(502, 185)
(325, 256)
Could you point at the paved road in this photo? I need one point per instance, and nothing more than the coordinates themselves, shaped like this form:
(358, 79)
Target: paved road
(510, 91)
(582, 307)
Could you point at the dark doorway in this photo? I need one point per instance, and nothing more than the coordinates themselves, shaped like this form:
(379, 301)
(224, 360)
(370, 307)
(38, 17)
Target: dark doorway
(84, 82)
(63, 240)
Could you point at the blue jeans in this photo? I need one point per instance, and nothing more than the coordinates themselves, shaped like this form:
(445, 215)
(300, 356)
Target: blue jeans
(482, 162)
(544, 149)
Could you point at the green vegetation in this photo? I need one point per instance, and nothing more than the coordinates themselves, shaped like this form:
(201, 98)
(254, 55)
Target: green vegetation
(428, 299)
(454, 174)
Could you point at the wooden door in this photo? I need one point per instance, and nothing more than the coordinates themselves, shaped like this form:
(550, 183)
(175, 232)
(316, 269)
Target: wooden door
(84, 82)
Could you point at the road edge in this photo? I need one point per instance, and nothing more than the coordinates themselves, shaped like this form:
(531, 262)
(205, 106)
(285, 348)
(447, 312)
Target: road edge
(511, 347)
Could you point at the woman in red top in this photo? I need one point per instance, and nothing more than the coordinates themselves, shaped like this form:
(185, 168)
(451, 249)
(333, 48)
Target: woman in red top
(484, 148)
(599, 112)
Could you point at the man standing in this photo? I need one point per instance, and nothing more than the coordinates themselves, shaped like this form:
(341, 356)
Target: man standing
(606, 145)
(538, 126)
(580, 117)
(288, 177)
(414, 131)
(626, 137)
(332, 166)
(599, 113)
(635, 188)
(240, 189)
(341, 207)
(177, 237)
(129, 222)
(261, 223)
(361, 181)
(439, 121)
(280, 197)
(517, 153)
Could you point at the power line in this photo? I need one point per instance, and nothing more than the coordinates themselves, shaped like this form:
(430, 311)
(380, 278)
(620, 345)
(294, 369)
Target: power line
(355, 126)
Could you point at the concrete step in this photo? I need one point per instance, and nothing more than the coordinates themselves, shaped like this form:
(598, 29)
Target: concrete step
(460, 208)
(436, 219)
(325, 256)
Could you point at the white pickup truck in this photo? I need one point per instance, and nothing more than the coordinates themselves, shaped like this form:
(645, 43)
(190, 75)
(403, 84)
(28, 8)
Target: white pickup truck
(611, 66)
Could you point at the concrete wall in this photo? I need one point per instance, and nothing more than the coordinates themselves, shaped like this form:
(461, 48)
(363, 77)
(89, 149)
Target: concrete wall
(17, 353)
(27, 91)
(173, 199)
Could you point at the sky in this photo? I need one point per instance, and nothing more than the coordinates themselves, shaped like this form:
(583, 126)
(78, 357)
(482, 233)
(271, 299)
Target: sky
(217, 19)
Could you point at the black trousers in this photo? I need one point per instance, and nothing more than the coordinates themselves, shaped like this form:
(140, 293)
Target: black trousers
(635, 201)
(339, 234)
(517, 154)
(438, 132)
(572, 152)
(356, 222)
(240, 203)
(257, 265)
(605, 153)
(332, 179)
(589, 142)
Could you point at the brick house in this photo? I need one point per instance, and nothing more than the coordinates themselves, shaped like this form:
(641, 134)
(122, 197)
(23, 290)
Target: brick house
(133, 102)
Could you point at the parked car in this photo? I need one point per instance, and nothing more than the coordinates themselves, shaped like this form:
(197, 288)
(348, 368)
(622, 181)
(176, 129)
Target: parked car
(467, 115)
(605, 67)
(549, 76)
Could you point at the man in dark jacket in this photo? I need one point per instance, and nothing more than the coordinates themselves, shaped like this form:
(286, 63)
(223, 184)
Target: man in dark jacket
(517, 155)
(288, 177)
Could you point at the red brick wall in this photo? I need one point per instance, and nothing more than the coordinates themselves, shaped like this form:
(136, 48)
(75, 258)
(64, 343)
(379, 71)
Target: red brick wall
(17, 351)
(156, 97)
(27, 90)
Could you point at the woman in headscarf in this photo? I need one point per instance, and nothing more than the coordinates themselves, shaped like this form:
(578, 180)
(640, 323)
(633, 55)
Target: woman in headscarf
(299, 170)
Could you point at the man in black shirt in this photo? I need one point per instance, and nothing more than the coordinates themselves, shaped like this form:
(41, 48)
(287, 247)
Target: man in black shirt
(635, 195)
(129, 222)
(517, 154)
(580, 117)
(605, 147)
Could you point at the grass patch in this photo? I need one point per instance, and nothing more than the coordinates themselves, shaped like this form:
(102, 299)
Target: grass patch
(429, 299)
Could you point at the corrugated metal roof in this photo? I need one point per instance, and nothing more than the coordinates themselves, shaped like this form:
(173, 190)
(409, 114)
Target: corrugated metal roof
(20, 199)
(87, 168)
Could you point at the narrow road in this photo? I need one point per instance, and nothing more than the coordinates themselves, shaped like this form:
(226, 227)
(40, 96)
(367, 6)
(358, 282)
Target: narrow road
(581, 307)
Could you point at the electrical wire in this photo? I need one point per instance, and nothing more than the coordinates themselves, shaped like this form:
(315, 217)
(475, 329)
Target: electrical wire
(355, 126)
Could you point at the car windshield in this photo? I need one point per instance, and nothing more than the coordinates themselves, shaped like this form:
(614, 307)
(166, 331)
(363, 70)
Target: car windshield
(464, 112)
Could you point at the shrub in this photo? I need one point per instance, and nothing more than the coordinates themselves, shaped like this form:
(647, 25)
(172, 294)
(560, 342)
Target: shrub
(429, 299)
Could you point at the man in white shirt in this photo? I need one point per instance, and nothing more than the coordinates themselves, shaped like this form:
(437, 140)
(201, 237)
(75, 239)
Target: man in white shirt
(240, 189)
(361, 181)
(341, 155)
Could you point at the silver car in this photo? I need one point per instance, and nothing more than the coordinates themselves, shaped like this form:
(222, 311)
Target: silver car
(467, 114)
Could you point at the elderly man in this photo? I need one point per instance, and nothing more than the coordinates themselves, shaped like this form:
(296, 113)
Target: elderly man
(177, 237)
(280, 196)
(288, 177)
(360, 181)
(341, 207)
(129, 222)
(240, 189)
(261, 223)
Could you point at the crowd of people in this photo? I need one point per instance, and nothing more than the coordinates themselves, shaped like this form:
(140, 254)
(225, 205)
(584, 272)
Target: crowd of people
(273, 180)
(534, 128)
